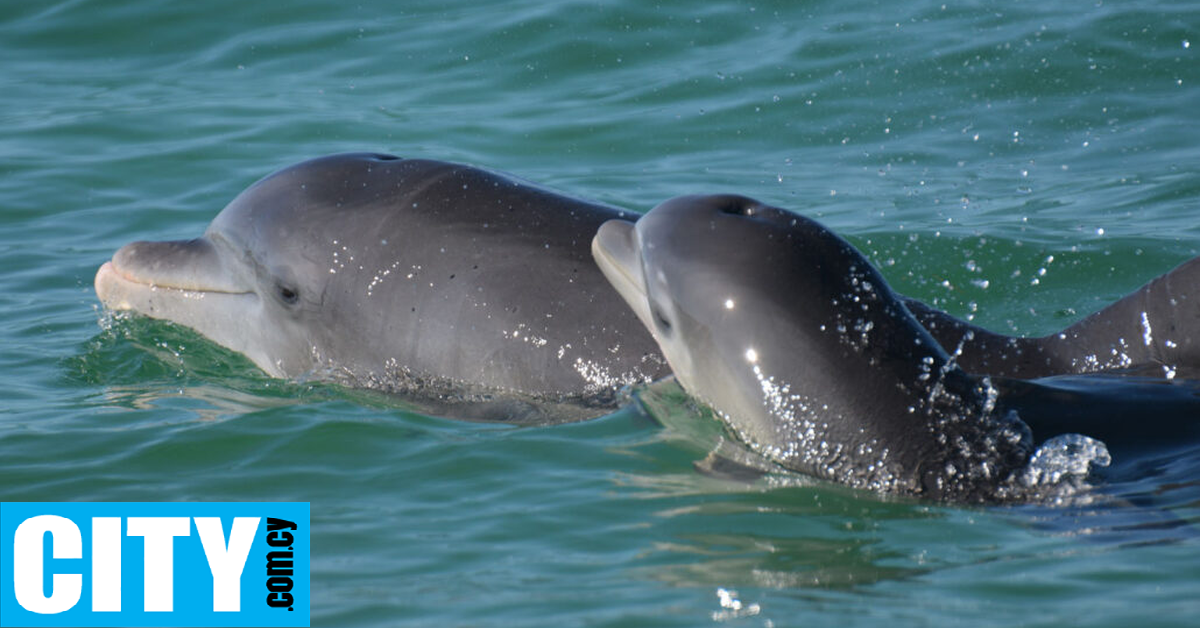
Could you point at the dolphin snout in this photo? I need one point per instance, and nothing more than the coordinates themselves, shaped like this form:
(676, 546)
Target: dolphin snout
(182, 264)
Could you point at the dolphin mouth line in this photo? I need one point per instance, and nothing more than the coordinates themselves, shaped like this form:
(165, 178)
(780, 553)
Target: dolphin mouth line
(616, 253)
(617, 258)
(156, 284)
(624, 274)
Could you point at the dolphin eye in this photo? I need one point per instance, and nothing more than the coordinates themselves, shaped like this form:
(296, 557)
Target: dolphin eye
(288, 295)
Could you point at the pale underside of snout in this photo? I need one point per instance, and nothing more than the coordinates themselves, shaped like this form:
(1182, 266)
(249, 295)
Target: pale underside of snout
(617, 252)
(183, 270)
(185, 282)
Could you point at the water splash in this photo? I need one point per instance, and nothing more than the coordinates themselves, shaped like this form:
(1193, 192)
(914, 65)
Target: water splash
(1065, 458)
(732, 607)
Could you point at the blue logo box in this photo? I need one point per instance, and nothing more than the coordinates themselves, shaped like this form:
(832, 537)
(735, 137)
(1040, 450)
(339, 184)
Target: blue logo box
(154, 564)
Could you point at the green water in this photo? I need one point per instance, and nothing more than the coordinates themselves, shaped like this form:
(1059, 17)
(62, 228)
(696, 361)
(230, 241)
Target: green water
(1023, 163)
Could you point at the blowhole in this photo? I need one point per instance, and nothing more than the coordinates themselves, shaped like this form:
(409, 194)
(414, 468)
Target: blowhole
(738, 206)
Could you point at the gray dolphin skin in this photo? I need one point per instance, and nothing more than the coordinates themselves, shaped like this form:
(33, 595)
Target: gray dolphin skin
(405, 275)
(1152, 329)
(791, 335)
(796, 340)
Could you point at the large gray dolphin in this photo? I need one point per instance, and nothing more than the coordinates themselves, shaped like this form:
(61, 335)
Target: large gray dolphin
(796, 340)
(402, 274)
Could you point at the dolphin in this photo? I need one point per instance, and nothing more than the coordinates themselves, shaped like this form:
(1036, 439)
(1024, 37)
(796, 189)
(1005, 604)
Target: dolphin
(471, 291)
(800, 345)
(401, 274)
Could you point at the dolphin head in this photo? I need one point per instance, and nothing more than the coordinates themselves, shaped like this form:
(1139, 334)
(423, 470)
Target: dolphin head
(265, 268)
(796, 340)
(689, 271)
(739, 294)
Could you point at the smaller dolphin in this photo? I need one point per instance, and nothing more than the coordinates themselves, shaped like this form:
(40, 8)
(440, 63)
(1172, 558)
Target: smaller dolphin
(796, 340)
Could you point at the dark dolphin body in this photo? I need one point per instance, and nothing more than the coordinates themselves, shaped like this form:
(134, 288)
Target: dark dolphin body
(796, 340)
(426, 277)
(1153, 330)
